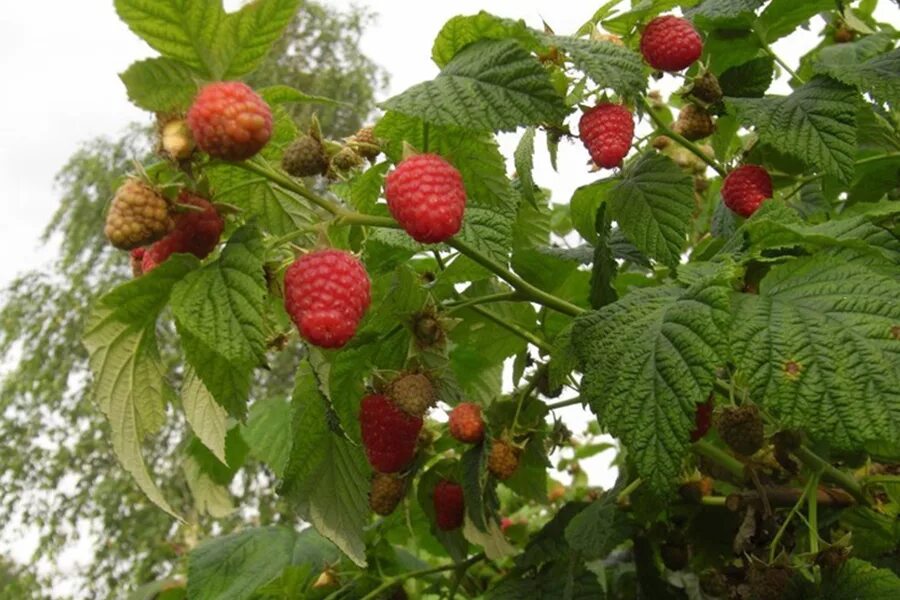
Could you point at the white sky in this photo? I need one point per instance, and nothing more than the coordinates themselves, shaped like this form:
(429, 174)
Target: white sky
(60, 60)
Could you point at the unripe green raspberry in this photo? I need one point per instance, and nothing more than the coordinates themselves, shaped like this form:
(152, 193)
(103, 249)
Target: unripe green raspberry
(137, 216)
(305, 157)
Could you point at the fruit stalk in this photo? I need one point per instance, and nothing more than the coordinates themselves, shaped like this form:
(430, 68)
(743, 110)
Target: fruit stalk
(691, 146)
(392, 581)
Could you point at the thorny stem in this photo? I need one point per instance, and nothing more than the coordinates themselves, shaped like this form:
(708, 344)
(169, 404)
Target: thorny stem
(392, 581)
(694, 149)
(768, 50)
(622, 496)
(813, 514)
(513, 328)
(565, 403)
(526, 391)
(487, 299)
(830, 473)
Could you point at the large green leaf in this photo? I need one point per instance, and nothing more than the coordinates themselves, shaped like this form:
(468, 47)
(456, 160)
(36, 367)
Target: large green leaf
(818, 349)
(219, 313)
(599, 528)
(160, 84)
(653, 204)
(268, 433)
(610, 65)
(648, 360)
(782, 17)
(199, 34)
(816, 123)
(184, 30)
(462, 30)
(207, 418)
(252, 31)
(859, 580)
(488, 231)
(326, 477)
(725, 13)
(568, 579)
(489, 85)
(232, 567)
(129, 379)
(524, 161)
(879, 75)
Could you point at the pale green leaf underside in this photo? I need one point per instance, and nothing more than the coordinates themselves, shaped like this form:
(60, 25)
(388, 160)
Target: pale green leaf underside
(219, 314)
(653, 204)
(268, 433)
(159, 84)
(524, 161)
(648, 360)
(818, 349)
(209, 497)
(208, 420)
(129, 379)
(816, 123)
(489, 85)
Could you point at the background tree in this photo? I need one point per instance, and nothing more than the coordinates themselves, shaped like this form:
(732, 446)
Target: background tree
(57, 468)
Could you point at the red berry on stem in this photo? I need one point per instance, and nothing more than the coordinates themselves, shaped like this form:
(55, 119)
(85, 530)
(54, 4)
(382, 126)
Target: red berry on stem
(196, 232)
(389, 435)
(466, 423)
(426, 195)
(745, 188)
(230, 121)
(326, 293)
(670, 43)
(606, 131)
(702, 419)
(449, 505)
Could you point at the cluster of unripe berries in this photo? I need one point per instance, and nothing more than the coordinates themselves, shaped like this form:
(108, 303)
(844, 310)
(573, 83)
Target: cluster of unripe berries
(391, 426)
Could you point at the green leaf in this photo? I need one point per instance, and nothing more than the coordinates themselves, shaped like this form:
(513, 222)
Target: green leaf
(476, 155)
(252, 31)
(285, 94)
(232, 567)
(277, 211)
(488, 231)
(641, 11)
(182, 30)
(480, 494)
(857, 579)
(817, 350)
(362, 192)
(160, 84)
(648, 360)
(880, 76)
(550, 544)
(210, 497)
(268, 433)
(653, 204)
(603, 273)
(219, 314)
(489, 85)
(530, 478)
(462, 30)
(816, 123)
(207, 419)
(326, 477)
(567, 579)
(749, 80)
(524, 160)
(782, 17)
(599, 529)
(584, 205)
(610, 65)
(129, 379)
(725, 13)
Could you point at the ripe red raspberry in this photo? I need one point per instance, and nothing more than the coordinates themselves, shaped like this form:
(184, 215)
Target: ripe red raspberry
(449, 505)
(425, 194)
(412, 392)
(389, 435)
(745, 188)
(137, 216)
(229, 120)
(466, 423)
(702, 419)
(606, 131)
(503, 459)
(195, 232)
(326, 293)
(670, 43)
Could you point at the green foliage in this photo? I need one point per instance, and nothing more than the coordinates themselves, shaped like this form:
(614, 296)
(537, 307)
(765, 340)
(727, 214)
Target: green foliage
(489, 85)
(643, 298)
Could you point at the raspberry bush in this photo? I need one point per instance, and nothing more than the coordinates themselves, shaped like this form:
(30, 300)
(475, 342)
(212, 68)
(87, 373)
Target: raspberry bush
(722, 297)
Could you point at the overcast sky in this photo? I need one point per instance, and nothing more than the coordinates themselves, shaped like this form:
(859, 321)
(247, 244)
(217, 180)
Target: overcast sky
(60, 60)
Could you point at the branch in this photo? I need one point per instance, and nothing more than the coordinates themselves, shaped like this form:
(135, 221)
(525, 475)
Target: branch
(681, 139)
(830, 473)
(780, 497)
(392, 581)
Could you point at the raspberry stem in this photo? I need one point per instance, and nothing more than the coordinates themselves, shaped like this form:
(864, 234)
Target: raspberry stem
(390, 582)
(691, 146)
